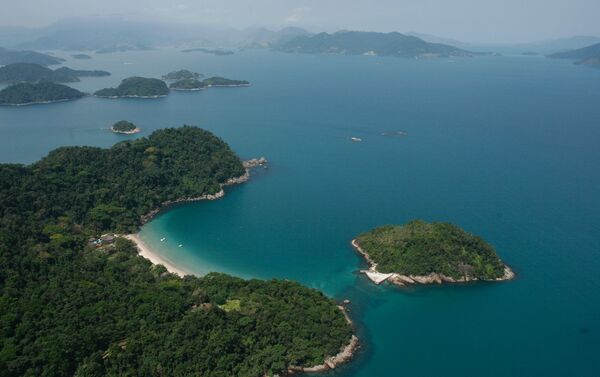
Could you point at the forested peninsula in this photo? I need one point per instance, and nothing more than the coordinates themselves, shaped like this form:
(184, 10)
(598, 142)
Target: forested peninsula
(71, 307)
(42, 92)
(423, 253)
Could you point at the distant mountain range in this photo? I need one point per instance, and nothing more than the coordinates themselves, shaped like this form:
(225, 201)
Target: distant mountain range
(114, 34)
(589, 55)
(15, 56)
(370, 43)
(30, 72)
(581, 53)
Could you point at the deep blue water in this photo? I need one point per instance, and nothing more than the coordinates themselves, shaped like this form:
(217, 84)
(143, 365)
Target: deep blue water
(505, 147)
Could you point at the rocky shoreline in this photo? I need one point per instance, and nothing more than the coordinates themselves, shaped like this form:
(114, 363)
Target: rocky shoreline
(39, 102)
(249, 164)
(132, 96)
(134, 131)
(346, 353)
(403, 280)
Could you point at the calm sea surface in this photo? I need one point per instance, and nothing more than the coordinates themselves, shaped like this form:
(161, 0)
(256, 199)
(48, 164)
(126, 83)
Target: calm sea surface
(507, 147)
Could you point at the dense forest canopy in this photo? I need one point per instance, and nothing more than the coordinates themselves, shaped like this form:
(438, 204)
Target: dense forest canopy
(136, 87)
(187, 84)
(28, 93)
(420, 248)
(70, 308)
(182, 75)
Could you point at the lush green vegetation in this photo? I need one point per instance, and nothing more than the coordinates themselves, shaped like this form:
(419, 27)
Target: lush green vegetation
(28, 93)
(420, 248)
(182, 75)
(187, 84)
(30, 72)
(69, 308)
(123, 126)
(222, 81)
(13, 56)
(370, 43)
(136, 87)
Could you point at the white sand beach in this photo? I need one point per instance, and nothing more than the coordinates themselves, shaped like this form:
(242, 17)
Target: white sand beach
(148, 253)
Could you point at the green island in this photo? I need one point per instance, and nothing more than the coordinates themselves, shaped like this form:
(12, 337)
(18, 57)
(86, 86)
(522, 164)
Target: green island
(139, 87)
(81, 56)
(422, 253)
(187, 84)
(74, 306)
(124, 127)
(182, 74)
(34, 93)
(222, 81)
(16, 56)
(31, 72)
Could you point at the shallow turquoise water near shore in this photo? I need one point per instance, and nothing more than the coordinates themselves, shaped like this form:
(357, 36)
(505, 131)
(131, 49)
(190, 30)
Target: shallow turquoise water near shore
(505, 147)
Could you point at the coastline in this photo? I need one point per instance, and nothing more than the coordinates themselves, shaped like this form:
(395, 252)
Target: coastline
(403, 280)
(40, 102)
(132, 96)
(147, 252)
(132, 132)
(346, 354)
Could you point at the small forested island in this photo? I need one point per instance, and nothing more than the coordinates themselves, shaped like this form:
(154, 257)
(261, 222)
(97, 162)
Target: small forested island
(182, 74)
(124, 127)
(30, 72)
(14, 56)
(222, 81)
(34, 93)
(71, 307)
(136, 87)
(218, 52)
(81, 56)
(424, 253)
(187, 84)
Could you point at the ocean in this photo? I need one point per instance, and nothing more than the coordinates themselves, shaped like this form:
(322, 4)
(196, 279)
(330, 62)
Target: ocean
(505, 147)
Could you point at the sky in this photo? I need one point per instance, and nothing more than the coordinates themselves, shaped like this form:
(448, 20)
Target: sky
(493, 21)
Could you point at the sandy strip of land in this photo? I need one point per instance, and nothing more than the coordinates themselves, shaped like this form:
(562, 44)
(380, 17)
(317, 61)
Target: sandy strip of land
(147, 252)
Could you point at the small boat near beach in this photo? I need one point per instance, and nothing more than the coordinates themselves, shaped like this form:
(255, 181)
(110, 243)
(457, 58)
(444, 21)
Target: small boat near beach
(162, 239)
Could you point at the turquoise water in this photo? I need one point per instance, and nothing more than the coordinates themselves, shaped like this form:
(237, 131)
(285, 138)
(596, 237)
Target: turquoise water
(505, 147)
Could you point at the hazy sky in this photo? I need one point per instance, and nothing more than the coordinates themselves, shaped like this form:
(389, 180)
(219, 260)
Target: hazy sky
(468, 20)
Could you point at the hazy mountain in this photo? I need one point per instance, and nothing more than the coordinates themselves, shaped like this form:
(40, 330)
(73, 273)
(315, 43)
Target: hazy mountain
(370, 43)
(111, 34)
(587, 52)
(15, 56)
(435, 39)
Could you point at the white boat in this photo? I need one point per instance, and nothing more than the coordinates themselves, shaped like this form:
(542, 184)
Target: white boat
(180, 245)
(356, 139)
(162, 239)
